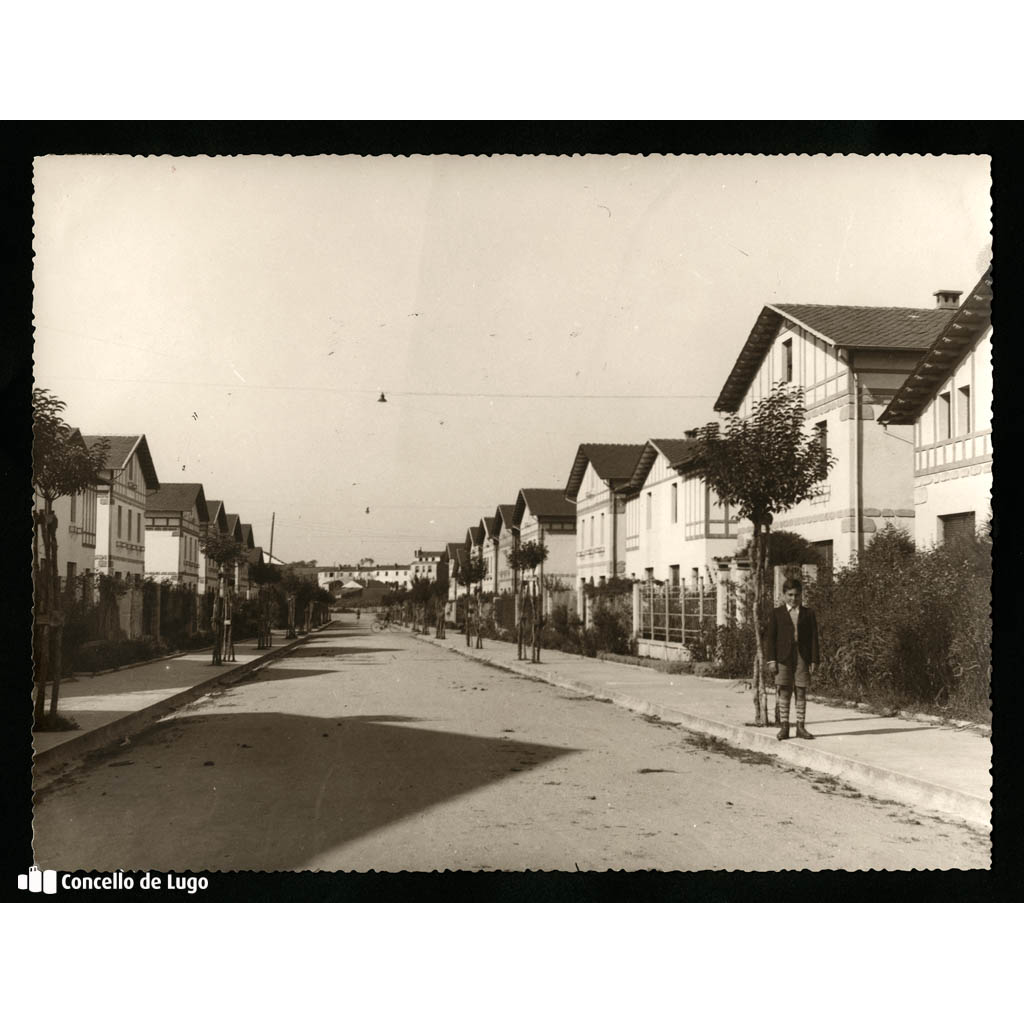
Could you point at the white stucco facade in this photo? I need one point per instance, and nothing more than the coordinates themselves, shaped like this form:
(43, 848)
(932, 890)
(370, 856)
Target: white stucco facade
(871, 483)
(675, 528)
(953, 449)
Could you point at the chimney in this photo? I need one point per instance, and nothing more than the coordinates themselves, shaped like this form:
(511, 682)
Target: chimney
(946, 298)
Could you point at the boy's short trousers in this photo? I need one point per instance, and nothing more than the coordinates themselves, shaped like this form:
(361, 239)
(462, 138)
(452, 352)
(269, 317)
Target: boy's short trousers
(793, 672)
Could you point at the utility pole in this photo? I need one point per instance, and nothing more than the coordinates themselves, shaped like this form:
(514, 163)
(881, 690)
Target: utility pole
(272, 516)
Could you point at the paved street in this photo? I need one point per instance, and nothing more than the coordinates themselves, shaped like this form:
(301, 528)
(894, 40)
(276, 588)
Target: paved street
(363, 750)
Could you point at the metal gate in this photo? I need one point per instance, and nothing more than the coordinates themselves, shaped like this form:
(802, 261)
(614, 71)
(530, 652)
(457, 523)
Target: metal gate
(675, 615)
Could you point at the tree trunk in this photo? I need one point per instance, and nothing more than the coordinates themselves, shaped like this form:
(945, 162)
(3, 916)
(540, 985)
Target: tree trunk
(534, 631)
(479, 621)
(760, 559)
(40, 637)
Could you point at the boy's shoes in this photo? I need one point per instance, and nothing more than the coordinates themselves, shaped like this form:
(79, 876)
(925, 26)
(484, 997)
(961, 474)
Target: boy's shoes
(803, 734)
(783, 733)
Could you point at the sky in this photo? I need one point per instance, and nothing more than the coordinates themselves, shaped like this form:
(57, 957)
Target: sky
(245, 313)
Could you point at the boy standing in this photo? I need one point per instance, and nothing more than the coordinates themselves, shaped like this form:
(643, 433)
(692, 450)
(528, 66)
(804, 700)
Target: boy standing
(791, 651)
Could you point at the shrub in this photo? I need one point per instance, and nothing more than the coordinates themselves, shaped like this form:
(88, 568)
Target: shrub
(611, 631)
(105, 654)
(736, 647)
(903, 628)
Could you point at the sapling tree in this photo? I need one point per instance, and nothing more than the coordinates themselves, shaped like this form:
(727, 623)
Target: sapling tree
(61, 465)
(761, 465)
(225, 552)
(469, 574)
(525, 558)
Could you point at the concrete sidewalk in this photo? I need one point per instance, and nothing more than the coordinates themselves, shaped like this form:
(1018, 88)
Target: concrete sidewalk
(933, 767)
(114, 705)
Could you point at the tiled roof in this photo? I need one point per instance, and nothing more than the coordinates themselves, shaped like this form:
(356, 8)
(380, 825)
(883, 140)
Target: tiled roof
(475, 535)
(179, 498)
(544, 503)
(490, 525)
(234, 526)
(452, 548)
(677, 450)
(954, 339)
(613, 463)
(855, 327)
(120, 447)
(505, 514)
(247, 536)
(254, 556)
(216, 514)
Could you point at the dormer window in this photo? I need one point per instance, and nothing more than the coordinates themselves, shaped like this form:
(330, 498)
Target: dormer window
(787, 360)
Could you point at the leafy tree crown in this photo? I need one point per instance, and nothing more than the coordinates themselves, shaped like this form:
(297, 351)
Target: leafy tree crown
(764, 463)
(61, 463)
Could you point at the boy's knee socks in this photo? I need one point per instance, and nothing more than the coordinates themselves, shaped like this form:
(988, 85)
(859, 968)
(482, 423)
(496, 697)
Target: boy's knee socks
(801, 704)
(784, 694)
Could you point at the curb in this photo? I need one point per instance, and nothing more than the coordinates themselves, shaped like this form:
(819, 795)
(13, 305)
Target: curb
(884, 782)
(95, 739)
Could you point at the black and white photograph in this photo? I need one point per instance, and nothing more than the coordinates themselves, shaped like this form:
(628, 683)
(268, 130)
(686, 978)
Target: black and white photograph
(511, 513)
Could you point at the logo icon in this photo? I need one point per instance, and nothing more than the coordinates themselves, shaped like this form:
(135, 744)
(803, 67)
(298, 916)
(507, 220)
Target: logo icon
(39, 881)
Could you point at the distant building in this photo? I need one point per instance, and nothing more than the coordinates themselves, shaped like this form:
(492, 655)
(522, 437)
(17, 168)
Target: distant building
(128, 478)
(947, 399)
(393, 575)
(175, 519)
(598, 473)
(507, 537)
(545, 515)
(429, 565)
(216, 525)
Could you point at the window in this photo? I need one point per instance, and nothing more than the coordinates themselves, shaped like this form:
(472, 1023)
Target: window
(673, 573)
(963, 413)
(650, 506)
(942, 408)
(73, 504)
(825, 554)
(138, 527)
(600, 539)
(675, 503)
(958, 526)
(821, 432)
(131, 469)
(119, 520)
(787, 360)
(649, 574)
(72, 572)
(117, 575)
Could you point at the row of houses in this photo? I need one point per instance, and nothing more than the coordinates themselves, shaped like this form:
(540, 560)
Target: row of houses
(901, 396)
(425, 565)
(131, 527)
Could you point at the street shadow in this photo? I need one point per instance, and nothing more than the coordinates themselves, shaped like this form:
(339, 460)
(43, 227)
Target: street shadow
(275, 674)
(264, 791)
(334, 651)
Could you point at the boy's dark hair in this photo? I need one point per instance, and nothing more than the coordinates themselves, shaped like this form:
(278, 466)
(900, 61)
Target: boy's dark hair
(794, 584)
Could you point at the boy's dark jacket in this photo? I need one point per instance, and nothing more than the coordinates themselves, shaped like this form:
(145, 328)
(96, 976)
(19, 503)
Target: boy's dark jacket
(778, 638)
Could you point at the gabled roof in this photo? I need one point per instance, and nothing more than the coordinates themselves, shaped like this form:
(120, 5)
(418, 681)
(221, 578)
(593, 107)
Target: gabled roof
(474, 535)
(234, 526)
(969, 322)
(254, 556)
(678, 451)
(179, 498)
(489, 525)
(613, 463)
(247, 537)
(854, 327)
(505, 518)
(544, 503)
(120, 449)
(216, 514)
